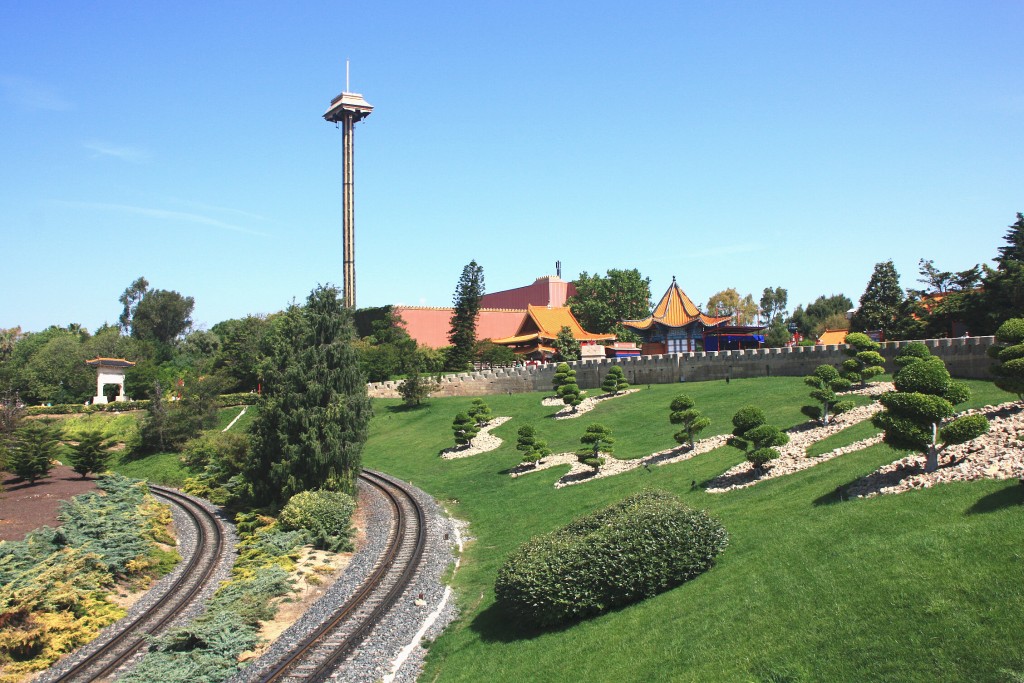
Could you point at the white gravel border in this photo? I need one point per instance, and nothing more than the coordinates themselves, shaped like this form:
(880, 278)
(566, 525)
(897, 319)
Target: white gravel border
(483, 442)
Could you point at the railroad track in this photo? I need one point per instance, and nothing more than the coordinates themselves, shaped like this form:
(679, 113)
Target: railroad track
(323, 650)
(103, 661)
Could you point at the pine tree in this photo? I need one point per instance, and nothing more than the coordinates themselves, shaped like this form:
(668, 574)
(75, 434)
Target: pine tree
(824, 383)
(415, 388)
(466, 302)
(33, 452)
(533, 449)
(596, 440)
(916, 415)
(881, 301)
(480, 412)
(865, 362)
(755, 437)
(683, 413)
(1009, 351)
(465, 429)
(91, 454)
(566, 346)
(614, 381)
(314, 412)
(1014, 249)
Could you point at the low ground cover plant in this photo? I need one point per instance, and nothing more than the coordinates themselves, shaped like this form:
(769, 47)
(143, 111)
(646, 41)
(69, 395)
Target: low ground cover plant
(54, 585)
(628, 551)
(325, 516)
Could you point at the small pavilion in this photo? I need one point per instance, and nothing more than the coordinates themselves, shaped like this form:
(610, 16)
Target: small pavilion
(109, 371)
(675, 325)
(535, 338)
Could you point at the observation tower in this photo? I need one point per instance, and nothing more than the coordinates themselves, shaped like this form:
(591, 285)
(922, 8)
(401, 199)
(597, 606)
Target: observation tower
(346, 109)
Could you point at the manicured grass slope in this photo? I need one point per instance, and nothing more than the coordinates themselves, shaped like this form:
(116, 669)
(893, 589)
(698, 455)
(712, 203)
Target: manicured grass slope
(921, 586)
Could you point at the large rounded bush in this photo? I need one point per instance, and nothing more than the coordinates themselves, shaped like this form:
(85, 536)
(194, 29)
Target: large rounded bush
(634, 549)
(927, 376)
(324, 515)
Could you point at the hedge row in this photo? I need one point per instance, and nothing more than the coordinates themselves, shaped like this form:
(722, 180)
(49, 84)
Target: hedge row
(240, 399)
(634, 549)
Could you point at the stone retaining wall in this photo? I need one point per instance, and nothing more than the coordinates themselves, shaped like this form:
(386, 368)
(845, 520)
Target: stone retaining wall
(965, 358)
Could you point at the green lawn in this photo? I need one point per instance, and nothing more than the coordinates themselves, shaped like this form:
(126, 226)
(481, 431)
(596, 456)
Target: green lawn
(924, 586)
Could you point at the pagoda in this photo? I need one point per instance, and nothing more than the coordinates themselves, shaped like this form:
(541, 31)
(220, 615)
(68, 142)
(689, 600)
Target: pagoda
(675, 325)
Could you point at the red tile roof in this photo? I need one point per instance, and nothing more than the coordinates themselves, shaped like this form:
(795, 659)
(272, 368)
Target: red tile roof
(543, 323)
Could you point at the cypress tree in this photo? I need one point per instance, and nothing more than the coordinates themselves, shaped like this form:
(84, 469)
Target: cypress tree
(314, 412)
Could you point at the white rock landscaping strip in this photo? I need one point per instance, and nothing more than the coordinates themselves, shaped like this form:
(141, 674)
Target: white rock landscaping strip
(483, 442)
(793, 456)
(586, 406)
(998, 454)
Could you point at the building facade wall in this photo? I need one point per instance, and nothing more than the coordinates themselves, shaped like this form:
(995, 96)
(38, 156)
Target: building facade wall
(966, 358)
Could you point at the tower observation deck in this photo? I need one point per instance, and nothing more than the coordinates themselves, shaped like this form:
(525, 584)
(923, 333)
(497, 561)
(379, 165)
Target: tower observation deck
(346, 109)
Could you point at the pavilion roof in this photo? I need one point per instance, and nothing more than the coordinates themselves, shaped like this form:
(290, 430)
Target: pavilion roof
(676, 310)
(110, 362)
(832, 337)
(542, 324)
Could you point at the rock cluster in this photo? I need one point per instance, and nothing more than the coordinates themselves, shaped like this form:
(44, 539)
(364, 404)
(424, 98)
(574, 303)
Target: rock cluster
(588, 404)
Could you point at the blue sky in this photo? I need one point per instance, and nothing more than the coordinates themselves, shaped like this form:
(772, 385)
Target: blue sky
(730, 144)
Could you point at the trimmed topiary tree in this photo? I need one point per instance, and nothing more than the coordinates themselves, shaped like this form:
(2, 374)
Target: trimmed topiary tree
(596, 440)
(824, 383)
(916, 414)
(465, 429)
(562, 376)
(755, 437)
(1009, 351)
(325, 516)
(639, 547)
(480, 412)
(693, 423)
(865, 362)
(91, 454)
(533, 449)
(911, 353)
(614, 381)
(569, 391)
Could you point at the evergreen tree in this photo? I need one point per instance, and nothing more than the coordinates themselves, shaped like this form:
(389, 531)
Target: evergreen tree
(614, 381)
(916, 415)
(532, 448)
(880, 304)
(596, 440)
(755, 437)
(34, 450)
(1009, 350)
(415, 388)
(824, 384)
(92, 453)
(566, 346)
(480, 412)
(1013, 251)
(465, 429)
(569, 391)
(601, 301)
(865, 362)
(314, 413)
(562, 373)
(466, 302)
(683, 413)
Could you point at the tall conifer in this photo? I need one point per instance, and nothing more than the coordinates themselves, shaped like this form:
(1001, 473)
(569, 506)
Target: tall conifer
(466, 302)
(314, 412)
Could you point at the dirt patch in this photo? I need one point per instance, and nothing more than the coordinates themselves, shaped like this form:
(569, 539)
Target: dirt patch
(24, 506)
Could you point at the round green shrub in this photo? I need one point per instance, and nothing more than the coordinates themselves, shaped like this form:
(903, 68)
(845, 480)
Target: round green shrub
(911, 353)
(928, 376)
(747, 418)
(324, 515)
(629, 551)
(964, 429)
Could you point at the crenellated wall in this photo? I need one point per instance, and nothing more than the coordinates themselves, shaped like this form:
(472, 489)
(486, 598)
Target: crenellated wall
(965, 358)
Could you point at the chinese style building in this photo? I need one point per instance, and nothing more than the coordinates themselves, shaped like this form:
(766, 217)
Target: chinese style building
(535, 338)
(675, 325)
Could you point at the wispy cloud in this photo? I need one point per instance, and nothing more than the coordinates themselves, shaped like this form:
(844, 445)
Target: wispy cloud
(164, 214)
(133, 154)
(30, 94)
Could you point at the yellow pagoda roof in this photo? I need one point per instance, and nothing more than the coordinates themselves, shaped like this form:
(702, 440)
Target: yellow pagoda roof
(832, 337)
(542, 323)
(676, 310)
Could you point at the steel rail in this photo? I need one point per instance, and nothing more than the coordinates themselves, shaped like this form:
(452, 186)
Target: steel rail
(297, 665)
(191, 580)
